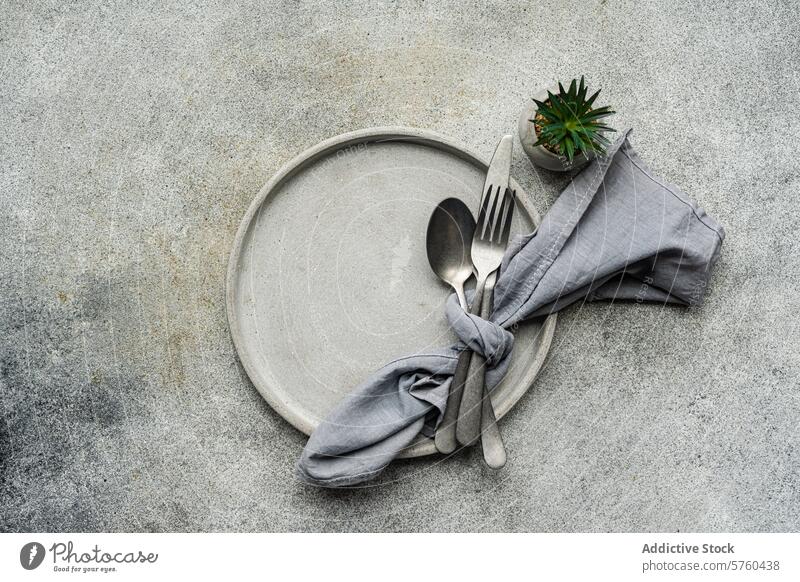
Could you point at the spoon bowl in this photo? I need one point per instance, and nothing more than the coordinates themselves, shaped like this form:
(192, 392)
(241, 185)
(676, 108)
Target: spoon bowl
(448, 242)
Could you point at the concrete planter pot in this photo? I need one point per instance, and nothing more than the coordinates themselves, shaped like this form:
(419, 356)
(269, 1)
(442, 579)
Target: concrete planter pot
(539, 155)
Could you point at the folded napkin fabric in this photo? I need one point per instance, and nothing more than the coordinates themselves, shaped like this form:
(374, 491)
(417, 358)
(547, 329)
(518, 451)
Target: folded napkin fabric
(616, 232)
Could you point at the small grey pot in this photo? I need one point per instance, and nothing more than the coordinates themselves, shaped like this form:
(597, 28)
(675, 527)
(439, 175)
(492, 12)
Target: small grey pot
(539, 155)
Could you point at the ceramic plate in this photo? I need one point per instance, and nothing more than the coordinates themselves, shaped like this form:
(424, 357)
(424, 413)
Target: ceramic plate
(328, 279)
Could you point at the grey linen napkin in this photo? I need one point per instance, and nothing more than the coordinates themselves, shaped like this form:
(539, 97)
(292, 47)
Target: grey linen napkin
(616, 232)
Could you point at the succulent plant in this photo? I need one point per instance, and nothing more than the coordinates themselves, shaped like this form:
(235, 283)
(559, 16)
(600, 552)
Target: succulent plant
(567, 124)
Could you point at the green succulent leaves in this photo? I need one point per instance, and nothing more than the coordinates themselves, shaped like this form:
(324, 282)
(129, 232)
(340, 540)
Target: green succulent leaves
(570, 125)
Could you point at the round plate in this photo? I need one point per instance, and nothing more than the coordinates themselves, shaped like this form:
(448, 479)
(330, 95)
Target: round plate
(328, 279)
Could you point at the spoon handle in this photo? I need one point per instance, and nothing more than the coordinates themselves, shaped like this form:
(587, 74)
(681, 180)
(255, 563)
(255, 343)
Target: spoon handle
(468, 426)
(445, 439)
(462, 299)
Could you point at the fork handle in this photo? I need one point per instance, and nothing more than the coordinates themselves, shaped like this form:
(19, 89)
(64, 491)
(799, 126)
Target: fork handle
(468, 427)
(494, 451)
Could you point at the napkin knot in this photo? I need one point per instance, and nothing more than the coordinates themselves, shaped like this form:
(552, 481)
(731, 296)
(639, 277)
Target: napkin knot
(480, 335)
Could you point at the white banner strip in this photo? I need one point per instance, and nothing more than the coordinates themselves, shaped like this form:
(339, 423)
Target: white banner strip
(379, 557)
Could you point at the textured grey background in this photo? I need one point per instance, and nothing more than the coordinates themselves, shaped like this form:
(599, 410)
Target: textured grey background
(134, 137)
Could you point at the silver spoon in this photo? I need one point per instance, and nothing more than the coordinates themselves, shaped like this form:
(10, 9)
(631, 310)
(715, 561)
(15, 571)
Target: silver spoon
(449, 240)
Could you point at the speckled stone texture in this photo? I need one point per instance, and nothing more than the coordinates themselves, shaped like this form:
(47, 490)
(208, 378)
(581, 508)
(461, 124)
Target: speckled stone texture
(133, 138)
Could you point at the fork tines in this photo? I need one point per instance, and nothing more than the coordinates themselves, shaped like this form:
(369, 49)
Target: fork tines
(495, 214)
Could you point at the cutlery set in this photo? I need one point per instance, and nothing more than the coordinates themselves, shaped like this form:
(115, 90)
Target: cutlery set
(457, 246)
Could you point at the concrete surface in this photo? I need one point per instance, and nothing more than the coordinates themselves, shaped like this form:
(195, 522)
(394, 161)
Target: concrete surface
(134, 137)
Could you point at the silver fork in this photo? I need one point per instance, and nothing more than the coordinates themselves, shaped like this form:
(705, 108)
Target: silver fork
(488, 246)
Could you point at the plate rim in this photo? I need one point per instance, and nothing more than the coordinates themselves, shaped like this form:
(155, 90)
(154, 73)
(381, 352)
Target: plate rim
(294, 166)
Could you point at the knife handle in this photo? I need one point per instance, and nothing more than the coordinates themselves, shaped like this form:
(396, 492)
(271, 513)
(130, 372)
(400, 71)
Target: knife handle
(445, 439)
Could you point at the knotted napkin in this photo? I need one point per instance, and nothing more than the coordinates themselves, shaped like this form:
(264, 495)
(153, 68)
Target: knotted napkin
(616, 232)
